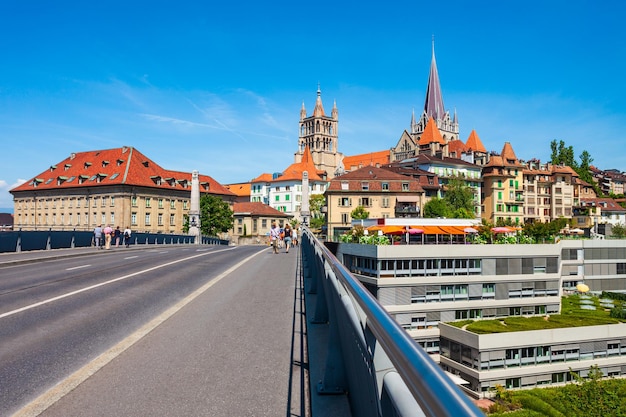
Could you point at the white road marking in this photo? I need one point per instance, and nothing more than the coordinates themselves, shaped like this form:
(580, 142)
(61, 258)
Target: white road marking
(77, 267)
(69, 294)
(131, 257)
(47, 399)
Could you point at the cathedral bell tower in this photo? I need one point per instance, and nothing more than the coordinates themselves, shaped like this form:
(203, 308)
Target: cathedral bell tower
(319, 133)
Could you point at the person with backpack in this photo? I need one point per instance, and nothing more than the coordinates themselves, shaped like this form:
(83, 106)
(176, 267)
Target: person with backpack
(288, 234)
(127, 233)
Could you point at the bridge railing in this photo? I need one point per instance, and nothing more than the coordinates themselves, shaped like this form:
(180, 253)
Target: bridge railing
(17, 241)
(384, 372)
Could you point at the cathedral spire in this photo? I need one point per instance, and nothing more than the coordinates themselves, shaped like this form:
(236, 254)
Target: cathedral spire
(319, 108)
(433, 105)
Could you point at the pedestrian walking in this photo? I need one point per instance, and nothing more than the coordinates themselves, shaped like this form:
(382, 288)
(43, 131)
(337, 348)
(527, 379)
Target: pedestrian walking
(275, 237)
(287, 234)
(108, 232)
(117, 235)
(127, 234)
(97, 236)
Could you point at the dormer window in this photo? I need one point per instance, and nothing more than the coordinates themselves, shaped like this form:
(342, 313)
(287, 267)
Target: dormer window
(183, 183)
(52, 167)
(82, 179)
(61, 180)
(345, 185)
(205, 185)
(100, 177)
(156, 179)
(67, 166)
(87, 165)
(146, 163)
(37, 181)
(365, 186)
(104, 164)
(119, 162)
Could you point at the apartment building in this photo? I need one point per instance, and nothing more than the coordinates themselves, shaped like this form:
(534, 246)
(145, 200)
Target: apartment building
(381, 192)
(503, 191)
(550, 192)
(120, 186)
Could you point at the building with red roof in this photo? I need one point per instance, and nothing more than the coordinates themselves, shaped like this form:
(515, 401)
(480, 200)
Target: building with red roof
(283, 190)
(253, 221)
(381, 192)
(120, 187)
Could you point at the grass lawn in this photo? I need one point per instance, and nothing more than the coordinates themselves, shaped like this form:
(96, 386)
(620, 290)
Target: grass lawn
(572, 315)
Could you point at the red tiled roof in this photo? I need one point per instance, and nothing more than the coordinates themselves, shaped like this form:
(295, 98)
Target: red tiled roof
(257, 209)
(295, 170)
(375, 177)
(265, 177)
(606, 204)
(508, 155)
(456, 147)
(241, 189)
(125, 165)
(366, 159)
(431, 133)
(474, 143)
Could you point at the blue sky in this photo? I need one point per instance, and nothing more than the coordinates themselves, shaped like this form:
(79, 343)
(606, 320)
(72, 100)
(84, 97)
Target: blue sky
(218, 87)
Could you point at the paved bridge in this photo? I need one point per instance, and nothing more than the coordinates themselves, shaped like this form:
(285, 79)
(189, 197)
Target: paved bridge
(205, 330)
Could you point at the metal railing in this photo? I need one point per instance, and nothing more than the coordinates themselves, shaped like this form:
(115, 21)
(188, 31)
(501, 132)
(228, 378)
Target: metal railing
(17, 241)
(384, 372)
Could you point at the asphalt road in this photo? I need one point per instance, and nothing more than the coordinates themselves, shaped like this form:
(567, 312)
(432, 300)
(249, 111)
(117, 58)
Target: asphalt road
(163, 331)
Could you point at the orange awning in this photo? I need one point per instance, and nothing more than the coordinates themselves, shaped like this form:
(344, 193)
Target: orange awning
(441, 230)
(387, 229)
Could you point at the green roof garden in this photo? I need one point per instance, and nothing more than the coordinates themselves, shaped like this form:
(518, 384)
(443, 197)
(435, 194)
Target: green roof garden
(576, 311)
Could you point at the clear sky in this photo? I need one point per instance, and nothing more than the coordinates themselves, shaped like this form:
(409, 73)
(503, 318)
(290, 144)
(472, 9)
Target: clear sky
(218, 86)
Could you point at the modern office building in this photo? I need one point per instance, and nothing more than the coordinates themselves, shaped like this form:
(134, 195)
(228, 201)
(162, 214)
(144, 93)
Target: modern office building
(424, 285)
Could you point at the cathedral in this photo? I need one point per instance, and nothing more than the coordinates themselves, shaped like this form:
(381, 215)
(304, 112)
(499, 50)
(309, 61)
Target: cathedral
(319, 133)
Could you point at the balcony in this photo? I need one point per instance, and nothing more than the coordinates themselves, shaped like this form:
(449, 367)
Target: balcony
(405, 210)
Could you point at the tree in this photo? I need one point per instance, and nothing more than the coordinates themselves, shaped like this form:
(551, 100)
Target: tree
(562, 155)
(359, 213)
(618, 231)
(437, 207)
(215, 215)
(316, 202)
(460, 199)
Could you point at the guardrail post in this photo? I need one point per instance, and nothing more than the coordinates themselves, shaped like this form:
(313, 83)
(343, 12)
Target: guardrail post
(18, 244)
(334, 381)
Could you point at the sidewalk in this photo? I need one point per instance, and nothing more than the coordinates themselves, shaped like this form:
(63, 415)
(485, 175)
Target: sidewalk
(235, 350)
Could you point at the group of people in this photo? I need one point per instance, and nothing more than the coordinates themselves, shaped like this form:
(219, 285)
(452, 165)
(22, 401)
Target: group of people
(286, 235)
(104, 237)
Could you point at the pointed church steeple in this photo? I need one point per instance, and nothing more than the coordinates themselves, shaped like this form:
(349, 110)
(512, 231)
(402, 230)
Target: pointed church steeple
(447, 124)
(302, 112)
(433, 105)
(319, 108)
